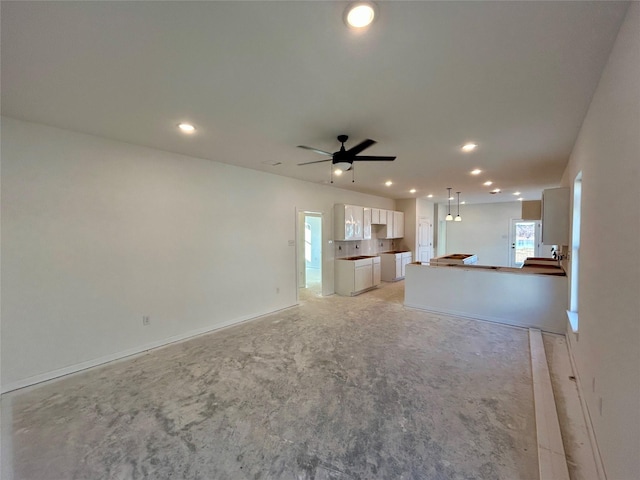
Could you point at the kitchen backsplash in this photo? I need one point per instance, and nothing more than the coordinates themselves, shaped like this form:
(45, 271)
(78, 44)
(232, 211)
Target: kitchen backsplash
(362, 247)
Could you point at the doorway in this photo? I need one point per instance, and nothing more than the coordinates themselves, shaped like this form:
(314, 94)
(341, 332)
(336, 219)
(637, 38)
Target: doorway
(310, 252)
(425, 240)
(525, 235)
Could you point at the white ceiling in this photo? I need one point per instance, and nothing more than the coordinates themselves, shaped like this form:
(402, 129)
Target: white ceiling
(259, 78)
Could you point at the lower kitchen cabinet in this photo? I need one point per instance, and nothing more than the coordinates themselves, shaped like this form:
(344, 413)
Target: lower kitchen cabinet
(393, 265)
(406, 260)
(354, 276)
(363, 277)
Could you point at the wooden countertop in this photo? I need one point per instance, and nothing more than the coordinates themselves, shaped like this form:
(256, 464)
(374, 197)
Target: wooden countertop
(527, 269)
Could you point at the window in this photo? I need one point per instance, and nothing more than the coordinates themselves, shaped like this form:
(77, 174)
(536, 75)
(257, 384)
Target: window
(575, 252)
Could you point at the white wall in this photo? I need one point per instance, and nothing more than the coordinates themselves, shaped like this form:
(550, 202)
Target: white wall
(413, 209)
(607, 346)
(96, 234)
(409, 241)
(484, 230)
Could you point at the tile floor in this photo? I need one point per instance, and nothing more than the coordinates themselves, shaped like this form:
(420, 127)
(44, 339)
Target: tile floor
(336, 388)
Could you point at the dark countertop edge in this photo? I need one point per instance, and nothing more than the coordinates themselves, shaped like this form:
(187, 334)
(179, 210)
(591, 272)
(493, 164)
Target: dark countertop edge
(489, 268)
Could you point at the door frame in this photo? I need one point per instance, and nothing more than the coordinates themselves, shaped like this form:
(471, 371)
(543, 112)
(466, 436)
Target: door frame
(511, 246)
(299, 254)
(430, 239)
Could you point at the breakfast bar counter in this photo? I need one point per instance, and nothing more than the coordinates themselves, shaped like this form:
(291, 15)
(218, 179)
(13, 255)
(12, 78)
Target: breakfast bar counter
(535, 296)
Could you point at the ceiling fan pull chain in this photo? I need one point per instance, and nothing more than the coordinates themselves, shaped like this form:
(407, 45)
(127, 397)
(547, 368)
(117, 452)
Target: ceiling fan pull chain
(353, 173)
(331, 172)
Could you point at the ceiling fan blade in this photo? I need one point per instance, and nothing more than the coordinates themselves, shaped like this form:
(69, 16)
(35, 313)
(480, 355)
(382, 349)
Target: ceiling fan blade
(321, 152)
(360, 147)
(369, 159)
(316, 161)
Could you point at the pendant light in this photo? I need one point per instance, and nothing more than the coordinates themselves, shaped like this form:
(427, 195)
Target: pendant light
(449, 217)
(458, 217)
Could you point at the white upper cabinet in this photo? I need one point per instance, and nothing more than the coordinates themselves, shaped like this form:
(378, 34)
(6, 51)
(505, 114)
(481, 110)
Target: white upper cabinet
(398, 224)
(348, 222)
(555, 216)
(383, 217)
(366, 225)
(386, 231)
(375, 216)
(352, 222)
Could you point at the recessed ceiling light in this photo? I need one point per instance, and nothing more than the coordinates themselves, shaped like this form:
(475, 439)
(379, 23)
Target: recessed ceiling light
(337, 172)
(477, 171)
(469, 147)
(495, 190)
(388, 183)
(488, 182)
(430, 195)
(413, 190)
(360, 14)
(186, 127)
(520, 199)
(516, 193)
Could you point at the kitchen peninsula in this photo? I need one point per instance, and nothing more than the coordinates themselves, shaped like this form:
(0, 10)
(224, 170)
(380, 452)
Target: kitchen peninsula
(533, 296)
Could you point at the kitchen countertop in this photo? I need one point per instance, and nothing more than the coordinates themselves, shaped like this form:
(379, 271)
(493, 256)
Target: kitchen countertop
(357, 257)
(527, 269)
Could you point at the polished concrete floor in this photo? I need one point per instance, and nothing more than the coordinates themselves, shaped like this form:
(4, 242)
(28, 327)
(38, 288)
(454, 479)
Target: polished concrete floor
(337, 388)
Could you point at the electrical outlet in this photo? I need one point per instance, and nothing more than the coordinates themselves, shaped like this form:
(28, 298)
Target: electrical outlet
(146, 320)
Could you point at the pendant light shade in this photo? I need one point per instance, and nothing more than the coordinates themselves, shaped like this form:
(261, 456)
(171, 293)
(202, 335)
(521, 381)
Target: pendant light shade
(458, 217)
(449, 217)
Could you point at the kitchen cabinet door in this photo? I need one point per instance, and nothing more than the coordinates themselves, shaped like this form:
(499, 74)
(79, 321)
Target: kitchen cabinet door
(387, 230)
(383, 216)
(377, 274)
(398, 224)
(366, 225)
(348, 222)
(364, 277)
(375, 216)
(406, 260)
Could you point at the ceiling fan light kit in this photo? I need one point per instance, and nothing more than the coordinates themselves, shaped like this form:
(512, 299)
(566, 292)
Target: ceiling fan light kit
(344, 166)
(343, 159)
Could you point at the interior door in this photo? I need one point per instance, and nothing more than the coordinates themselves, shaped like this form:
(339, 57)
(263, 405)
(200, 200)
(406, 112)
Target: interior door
(425, 240)
(300, 257)
(525, 237)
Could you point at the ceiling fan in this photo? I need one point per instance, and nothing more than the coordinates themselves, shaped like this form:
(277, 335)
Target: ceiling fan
(343, 159)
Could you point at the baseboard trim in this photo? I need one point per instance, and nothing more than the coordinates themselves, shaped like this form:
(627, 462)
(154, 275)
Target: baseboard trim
(552, 459)
(484, 318)
(79, 367)
(602, 475)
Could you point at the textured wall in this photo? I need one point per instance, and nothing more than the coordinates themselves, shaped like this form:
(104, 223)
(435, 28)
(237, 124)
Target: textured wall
(96, 234)
(607, 347)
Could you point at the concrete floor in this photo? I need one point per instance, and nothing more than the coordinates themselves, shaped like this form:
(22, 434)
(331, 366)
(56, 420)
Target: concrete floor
(337, 388)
